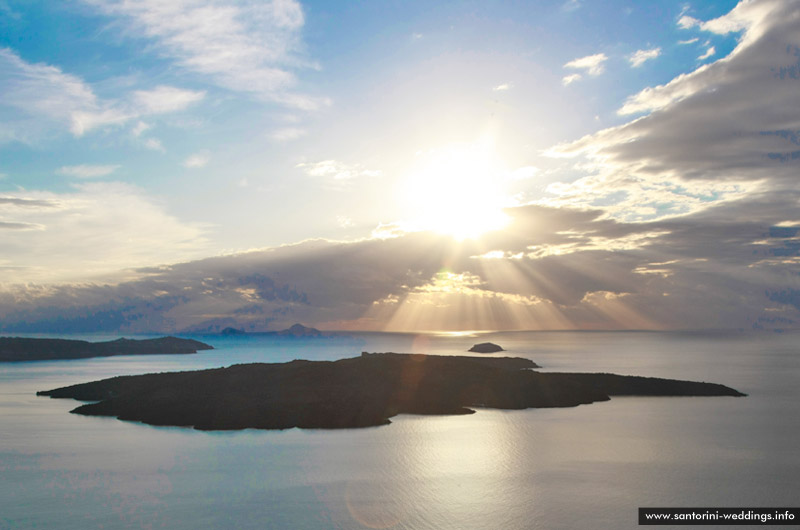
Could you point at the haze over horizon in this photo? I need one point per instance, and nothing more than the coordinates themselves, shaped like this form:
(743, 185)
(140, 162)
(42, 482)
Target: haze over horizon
(198, 164)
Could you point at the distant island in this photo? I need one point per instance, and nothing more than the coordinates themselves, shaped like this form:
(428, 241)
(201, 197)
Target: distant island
(15, 349)
(296, 330)
(357, 392)
(486, 347)
(232, 331)
(299, 330)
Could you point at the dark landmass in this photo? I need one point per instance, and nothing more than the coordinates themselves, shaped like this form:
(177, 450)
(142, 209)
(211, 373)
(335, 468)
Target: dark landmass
(296, 330)
(24, 349)
(299, 330)
(358, 392)
(486, 347)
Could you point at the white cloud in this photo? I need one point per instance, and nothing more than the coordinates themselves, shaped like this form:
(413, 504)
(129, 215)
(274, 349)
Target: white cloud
(248, 46)
(592, 64)
(154, 144)
(741, 17)
(639, 57)
(197, 161)
(708, 53)
(44, 88)
(571, 78)
(654, 98)
(337, 171)
(58, 99)
(96, 229)
(83, 121)
(344, 221)
(139, 128)
(689, 41)
(164, 99)
(45, 91)
(501, 88)
(85, 171)
(687, 22)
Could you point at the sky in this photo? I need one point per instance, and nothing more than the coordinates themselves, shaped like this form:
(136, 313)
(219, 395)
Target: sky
(193, 165)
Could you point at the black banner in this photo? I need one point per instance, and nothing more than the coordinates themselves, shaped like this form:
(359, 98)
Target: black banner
(719, 516)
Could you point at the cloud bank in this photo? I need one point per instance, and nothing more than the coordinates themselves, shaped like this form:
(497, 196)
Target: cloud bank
(552, 268)
(726, 132)
(95, 229)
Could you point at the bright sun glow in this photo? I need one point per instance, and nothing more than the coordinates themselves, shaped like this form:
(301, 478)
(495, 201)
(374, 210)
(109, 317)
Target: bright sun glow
(459, 190)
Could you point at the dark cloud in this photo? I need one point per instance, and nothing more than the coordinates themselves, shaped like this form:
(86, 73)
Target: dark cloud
(786, 296)
(11, 225)
(726, 131)
(706, 270)
(28, 203)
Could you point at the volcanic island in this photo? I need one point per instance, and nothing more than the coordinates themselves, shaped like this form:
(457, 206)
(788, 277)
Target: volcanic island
(362, 391)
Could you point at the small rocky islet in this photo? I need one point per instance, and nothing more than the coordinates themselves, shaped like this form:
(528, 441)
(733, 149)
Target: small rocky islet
(486, 347)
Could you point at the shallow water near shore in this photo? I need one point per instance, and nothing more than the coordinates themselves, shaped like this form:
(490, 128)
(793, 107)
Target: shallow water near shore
(584, 467)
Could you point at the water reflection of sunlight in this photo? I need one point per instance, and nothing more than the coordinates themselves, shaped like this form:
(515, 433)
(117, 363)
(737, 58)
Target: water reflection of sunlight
(459, 478)
(484, 451)
(423, 471)
(374, 505)
(420, 472)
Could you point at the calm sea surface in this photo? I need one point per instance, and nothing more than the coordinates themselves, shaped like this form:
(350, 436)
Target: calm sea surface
(584, 467)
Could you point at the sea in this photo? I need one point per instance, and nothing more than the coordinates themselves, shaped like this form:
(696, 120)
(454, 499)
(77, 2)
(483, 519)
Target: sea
(590, 466)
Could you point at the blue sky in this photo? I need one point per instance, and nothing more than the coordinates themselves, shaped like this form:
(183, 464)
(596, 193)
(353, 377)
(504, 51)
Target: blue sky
(150, 134)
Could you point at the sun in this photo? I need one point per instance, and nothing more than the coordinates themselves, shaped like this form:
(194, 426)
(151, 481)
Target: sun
(459, 190)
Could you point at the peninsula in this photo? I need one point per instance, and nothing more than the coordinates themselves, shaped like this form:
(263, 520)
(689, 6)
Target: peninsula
(14, 349)
(357, 392)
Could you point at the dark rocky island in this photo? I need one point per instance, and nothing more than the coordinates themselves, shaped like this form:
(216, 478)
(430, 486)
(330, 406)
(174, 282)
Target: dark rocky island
(25, 349)
(486, 347)
(358, 392)
(232, 331)
(299, 330)
(295, 331)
